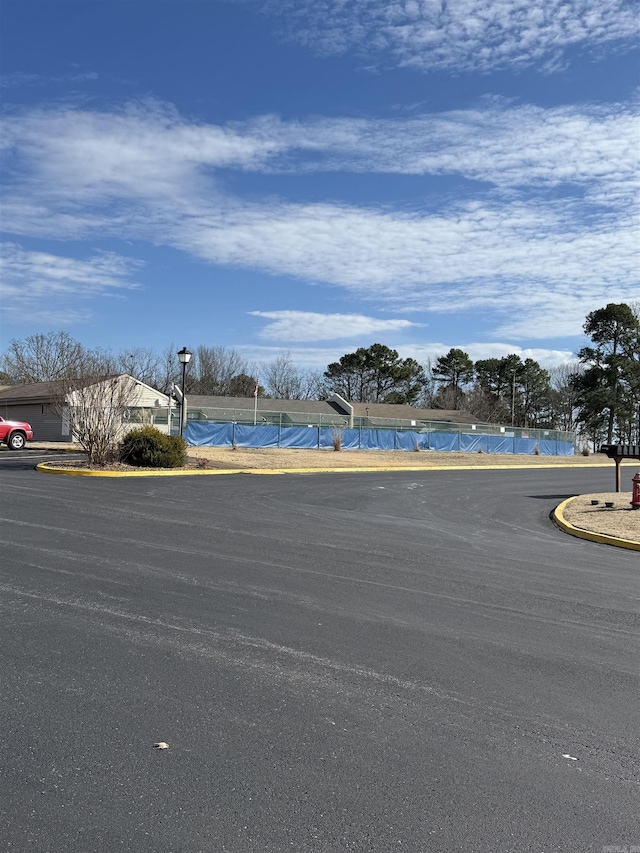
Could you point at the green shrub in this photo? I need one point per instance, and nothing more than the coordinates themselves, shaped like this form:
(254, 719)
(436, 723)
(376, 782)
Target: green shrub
(147, 447)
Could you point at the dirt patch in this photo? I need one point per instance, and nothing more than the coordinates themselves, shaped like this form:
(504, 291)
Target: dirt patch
(619, 519)
(283, 459)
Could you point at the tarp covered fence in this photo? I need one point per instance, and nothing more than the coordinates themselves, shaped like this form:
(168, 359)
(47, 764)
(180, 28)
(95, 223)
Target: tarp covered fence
(207, 434)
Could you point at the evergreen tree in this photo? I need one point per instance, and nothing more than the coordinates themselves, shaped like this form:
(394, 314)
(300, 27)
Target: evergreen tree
(608, 389)
(374, 375)
(452, 371)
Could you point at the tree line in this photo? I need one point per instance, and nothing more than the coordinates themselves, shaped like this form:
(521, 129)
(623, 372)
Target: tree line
(599, 393)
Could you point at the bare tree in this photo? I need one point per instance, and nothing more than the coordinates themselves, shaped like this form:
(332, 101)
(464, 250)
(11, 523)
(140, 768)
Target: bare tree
(168, 370)
(564, 398)
(43, 358)
(426, 400)
(213, 369)
(143, 363)
(94, 405)
(284, 381)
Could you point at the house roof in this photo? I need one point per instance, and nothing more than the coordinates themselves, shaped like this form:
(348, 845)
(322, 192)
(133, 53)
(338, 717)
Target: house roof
(265, 404)
(45, 392)
(410, 413)
(34, 392)
(325, 407)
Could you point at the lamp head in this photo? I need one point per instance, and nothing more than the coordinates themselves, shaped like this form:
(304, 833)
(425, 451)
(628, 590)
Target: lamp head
(184, 355)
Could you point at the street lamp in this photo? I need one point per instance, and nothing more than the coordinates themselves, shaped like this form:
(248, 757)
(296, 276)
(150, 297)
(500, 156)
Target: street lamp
(185, 357)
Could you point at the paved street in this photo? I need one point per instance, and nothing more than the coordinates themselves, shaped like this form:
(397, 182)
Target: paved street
(338, 662)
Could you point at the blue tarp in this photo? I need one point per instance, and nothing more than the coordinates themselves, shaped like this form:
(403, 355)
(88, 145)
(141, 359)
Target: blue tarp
(245, 435)
(199, 434)
(298, 436)
(499, 444)
(444, 441)
(409, 440)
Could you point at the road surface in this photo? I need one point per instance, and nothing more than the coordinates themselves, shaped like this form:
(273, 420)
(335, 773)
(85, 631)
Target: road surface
(338, 662)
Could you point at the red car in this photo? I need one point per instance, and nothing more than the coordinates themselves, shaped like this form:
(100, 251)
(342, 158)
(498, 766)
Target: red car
(15, 434)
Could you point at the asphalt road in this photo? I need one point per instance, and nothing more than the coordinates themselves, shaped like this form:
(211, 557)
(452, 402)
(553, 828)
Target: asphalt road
(338, 662)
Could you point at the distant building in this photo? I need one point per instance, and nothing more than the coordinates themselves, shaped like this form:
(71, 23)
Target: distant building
(41, 404)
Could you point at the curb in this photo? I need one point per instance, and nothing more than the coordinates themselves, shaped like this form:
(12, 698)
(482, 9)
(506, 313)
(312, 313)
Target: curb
(560, 521)
(50, 468)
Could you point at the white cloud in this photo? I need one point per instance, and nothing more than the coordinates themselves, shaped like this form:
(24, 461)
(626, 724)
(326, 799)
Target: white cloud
(142, 151)
(29, 279)
(20, 79)
(503, 144)
(149, 151)
(477, 255)
(547, 358)
(465, 35)
(317, 358)
(309, 326)
(537, 259)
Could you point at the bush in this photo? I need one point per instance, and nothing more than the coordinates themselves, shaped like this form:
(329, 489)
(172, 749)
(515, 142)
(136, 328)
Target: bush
(147, 447)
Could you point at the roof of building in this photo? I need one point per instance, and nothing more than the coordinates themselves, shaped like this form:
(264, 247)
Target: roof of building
(264, 404)
(325, 407)
(32, 392)
(36, 392)
(410, 413)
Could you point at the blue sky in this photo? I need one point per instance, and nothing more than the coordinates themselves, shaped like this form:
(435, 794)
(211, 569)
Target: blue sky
(311, 176)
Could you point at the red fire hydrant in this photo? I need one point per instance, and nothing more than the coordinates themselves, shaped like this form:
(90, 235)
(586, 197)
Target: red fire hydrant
(635, 497)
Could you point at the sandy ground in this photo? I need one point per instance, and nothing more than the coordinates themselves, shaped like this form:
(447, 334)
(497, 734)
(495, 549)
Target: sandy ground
(619, 520)
(250, 457)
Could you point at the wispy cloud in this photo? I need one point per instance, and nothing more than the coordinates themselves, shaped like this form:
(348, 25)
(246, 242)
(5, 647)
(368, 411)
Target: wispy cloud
(503, 144)
(309, 326)
(144, 151)
(147, 149)
(29, 279)
(317, 358)
(465, 35)
(512, 243)
(21, 79)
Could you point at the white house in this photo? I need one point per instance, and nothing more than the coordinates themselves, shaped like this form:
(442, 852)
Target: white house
(45, 405)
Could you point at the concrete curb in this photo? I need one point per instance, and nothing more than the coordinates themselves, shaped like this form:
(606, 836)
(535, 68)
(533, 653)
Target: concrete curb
(558, 518)
(50, 468)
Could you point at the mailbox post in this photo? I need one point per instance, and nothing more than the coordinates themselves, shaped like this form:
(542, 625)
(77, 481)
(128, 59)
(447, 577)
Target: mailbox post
(618, 452)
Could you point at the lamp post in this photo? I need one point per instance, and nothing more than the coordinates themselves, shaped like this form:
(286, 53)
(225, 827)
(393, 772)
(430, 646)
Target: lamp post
(185, 357)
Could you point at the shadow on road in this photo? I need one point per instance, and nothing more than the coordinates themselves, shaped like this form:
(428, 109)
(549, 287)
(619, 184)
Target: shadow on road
(561, 497)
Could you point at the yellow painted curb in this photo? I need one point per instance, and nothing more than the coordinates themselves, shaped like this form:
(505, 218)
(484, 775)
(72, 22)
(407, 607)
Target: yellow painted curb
(601, 538)
(50, 468)
(47, 468)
